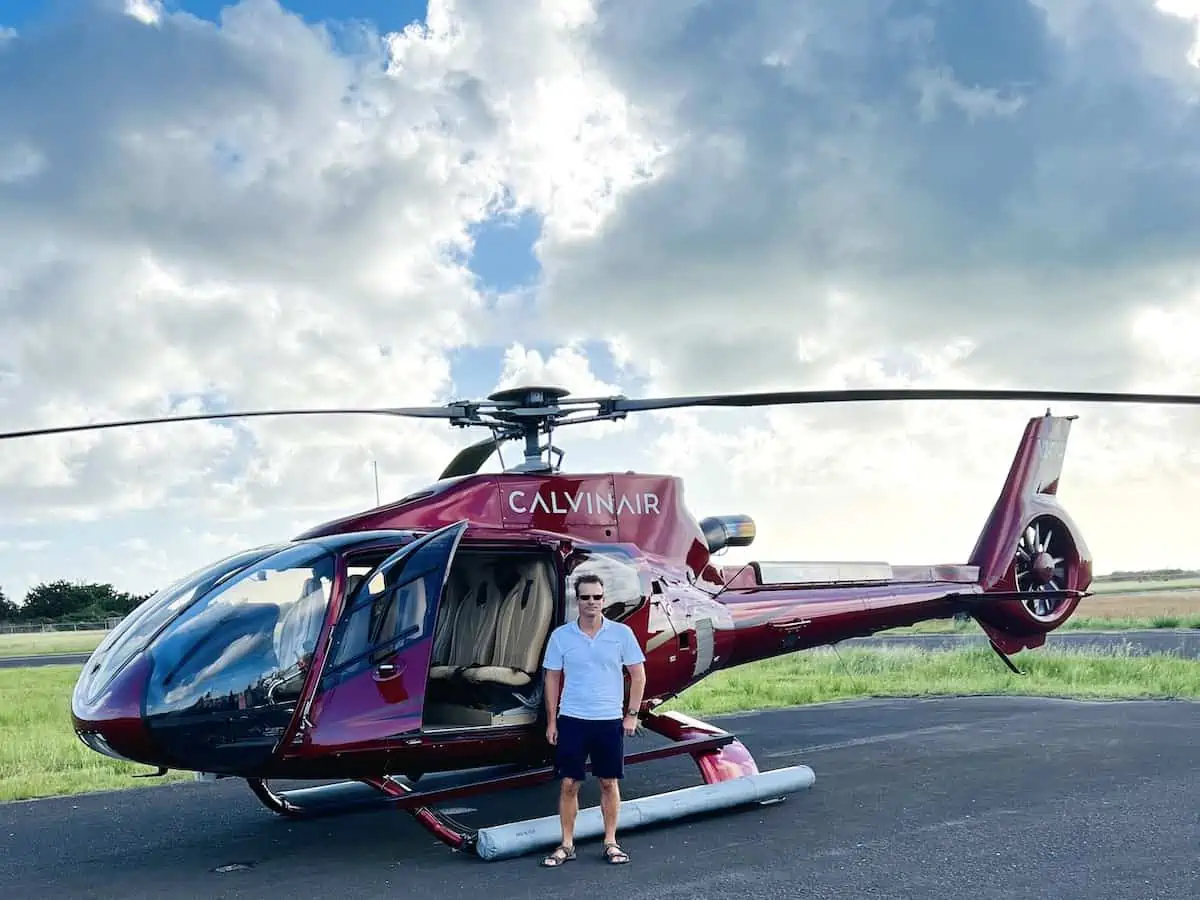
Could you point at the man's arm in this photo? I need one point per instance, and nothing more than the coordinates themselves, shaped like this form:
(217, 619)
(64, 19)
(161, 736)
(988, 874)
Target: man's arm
(637, 686)
(552, 666)
(553, 683)
(635, 664)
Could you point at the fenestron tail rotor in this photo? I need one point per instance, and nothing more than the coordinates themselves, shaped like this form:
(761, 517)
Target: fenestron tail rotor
(1040, 566)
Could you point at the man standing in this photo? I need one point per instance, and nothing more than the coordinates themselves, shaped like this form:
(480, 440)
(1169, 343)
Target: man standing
(588, 720)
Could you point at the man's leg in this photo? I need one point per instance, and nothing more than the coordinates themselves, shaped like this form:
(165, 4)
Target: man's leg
(568, 809)
(610, 807)
(570, 755)
(608, 764)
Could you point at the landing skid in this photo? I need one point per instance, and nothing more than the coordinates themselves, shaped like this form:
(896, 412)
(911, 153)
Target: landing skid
(718, 754)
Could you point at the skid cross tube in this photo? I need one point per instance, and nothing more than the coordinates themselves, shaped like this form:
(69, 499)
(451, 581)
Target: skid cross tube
(459, 837)
(537, 776)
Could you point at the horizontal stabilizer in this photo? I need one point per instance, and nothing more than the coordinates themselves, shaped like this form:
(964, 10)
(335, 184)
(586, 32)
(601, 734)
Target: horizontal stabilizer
(992, 597)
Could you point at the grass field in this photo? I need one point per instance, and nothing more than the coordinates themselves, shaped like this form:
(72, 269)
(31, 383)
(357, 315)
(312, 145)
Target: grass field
(1145, 585)
(40, 755)
(43, 643)
(1179, 608)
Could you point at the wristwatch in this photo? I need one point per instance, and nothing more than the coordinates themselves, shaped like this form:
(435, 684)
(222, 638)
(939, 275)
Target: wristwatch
(631, 712)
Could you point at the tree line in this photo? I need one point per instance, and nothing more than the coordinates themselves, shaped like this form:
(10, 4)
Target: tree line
(1148, 575)
(57, 602)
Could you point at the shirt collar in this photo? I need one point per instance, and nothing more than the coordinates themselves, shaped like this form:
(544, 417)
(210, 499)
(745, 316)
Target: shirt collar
(604, 623)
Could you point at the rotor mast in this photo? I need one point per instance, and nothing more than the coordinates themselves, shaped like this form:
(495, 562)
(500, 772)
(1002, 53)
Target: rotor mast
(525, 412)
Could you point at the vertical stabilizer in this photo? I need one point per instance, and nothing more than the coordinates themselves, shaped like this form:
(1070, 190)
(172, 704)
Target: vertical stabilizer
(1030, 489)
(1031, 556)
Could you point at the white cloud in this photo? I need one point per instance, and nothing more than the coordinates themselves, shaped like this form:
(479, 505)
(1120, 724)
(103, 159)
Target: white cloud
(247, 213)
(858, 195)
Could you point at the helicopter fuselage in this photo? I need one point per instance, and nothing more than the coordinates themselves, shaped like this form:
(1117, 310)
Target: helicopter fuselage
(407, 639)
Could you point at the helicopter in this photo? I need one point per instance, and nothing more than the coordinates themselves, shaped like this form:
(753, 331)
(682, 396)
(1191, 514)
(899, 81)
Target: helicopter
(405, 641)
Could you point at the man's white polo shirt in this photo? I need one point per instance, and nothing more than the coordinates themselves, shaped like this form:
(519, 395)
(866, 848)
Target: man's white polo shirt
(593, 679)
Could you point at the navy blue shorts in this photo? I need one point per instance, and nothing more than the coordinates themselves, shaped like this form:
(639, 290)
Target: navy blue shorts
(601, 740)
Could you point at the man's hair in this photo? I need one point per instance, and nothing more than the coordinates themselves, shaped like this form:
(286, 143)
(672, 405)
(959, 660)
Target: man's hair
(588, 578)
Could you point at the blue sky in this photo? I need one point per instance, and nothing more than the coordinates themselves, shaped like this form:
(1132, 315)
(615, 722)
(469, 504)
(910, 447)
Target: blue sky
(386, 15)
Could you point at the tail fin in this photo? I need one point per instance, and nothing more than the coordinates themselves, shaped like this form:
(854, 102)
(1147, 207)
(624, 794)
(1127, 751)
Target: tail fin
(1033, 562)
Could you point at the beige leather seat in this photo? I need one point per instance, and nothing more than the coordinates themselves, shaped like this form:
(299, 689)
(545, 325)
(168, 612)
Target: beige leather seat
(470, 623)
(296, 632)
(456, 589)
(521, 626)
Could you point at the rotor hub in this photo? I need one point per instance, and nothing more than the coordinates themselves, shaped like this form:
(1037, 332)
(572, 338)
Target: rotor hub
(1042, 568)
(530, 396)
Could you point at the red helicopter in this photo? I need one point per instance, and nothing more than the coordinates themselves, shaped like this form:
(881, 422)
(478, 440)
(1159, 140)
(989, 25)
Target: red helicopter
(406, 640)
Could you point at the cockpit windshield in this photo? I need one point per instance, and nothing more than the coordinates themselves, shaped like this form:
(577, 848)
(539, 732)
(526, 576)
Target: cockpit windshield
(231, 666)
(134, 631)
(247, 635)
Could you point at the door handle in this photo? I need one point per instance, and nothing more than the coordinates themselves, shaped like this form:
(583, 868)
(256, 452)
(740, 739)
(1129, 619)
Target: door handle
(387, 671)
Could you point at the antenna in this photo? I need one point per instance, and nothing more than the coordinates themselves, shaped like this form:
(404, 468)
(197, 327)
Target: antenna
(375, 466)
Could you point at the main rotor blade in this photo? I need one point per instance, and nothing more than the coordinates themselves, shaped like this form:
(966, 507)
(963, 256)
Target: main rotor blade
(783, 398)
(469, 459)
(420, 412)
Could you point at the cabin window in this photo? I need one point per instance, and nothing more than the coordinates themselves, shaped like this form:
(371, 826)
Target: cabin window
(623, 590)
(391, 605)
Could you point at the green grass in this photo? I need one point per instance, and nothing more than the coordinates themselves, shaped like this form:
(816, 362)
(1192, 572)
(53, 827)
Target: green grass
(43, 643)
(1141, 586)
(40, 755)
(821, 675)
(1075, 623)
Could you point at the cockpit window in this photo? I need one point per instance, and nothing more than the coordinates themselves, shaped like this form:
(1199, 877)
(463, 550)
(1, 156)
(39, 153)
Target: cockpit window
(249, 641)
(133, 632)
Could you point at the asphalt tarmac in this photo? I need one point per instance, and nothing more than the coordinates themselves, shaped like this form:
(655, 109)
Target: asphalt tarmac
(1183, 642)
(50, 659)
(980, 797)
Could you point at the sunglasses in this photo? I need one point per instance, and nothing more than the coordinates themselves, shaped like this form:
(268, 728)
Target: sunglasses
(591, 596)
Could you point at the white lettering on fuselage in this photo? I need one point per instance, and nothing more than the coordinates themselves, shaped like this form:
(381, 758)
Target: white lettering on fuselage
(591, 502)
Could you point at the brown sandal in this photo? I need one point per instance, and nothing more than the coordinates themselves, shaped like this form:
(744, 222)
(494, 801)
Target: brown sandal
(615, 855)
(562, 854)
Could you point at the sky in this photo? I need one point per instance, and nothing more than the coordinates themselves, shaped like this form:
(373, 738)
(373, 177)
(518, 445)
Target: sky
(209, 206)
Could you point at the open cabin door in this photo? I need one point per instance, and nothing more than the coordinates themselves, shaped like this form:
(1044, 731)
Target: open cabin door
(372, 685)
